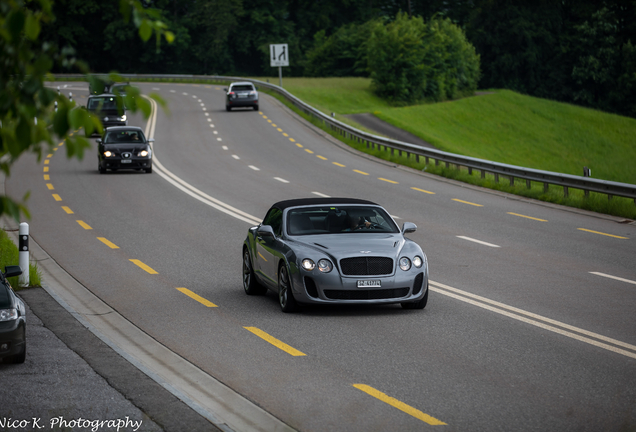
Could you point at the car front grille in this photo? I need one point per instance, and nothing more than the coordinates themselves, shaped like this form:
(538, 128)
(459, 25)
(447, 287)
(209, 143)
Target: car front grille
(366, 294)
(366, 266)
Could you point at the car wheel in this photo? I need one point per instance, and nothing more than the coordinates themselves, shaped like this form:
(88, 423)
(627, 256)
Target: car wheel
(100, 168)
(250, 284)
(285, 295)
(148, 170)
(255, 107)
(421, 304)
(227, 108)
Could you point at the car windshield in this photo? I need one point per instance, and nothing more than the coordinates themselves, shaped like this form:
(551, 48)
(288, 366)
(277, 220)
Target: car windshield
(124, 136)
(246, 87)
(106, 103)
(341, 219)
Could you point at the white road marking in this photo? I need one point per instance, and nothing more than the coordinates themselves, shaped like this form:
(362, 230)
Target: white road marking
(215, 132)
(254, 168)
(281, 180)
(224, 147)
(535, 319)
(614, 277)
(207, 114)
(172, 91)
(185, 94)
(321, 194)
(236, 157)
(219, 139)
(156, 88)
(478, 241)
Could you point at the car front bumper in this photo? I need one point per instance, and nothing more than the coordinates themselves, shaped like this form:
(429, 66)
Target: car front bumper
(316, 287)
(119, 163)
(12, 337)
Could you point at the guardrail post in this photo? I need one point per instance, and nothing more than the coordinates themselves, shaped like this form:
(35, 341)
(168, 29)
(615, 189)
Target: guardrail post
(565, 191)
(545, 187)
(496, 177)
(23, 246)
(528, 184)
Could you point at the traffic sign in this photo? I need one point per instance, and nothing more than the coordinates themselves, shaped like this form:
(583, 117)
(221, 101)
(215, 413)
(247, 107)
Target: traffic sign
(278, 55)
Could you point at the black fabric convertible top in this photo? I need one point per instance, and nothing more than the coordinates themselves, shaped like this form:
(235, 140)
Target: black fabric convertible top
(319, 201)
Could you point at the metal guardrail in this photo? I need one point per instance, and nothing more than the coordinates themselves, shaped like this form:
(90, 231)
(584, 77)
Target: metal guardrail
(566, 181)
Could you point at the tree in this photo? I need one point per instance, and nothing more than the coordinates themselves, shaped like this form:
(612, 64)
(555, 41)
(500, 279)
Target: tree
(27, 105)
(411, 60)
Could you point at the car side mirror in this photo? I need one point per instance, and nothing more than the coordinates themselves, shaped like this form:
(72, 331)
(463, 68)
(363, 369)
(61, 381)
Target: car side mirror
(12, 270)
(225, 90)
(151, 140)
(98, 140)
(408, 227)
(265, 231)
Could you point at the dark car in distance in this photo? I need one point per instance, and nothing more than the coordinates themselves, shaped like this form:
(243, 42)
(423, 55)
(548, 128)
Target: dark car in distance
(334, 251)
(12, 319)
(124, 147)
(109, 108)
(241, 95)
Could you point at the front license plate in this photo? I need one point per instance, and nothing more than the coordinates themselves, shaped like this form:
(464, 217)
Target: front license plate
(126, 161)
(369, 283)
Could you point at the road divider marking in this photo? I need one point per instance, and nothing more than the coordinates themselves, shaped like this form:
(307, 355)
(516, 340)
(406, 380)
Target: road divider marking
(84, 225)
(56, 197)
(467, 202)
(46, 169)
(299, 145)
(272, 340)
(614, 277)
(537, 320)
(143, 266)
(601, 233)
(292, 140)
(321, 157)
(338, 164)
(254, 168)
(67, 210)
(478, 241)
(284, 134)
(197, 297)
(309, 151)
(236, 157)
(321, 194)
(282, 180)
(47, 177)
(50, 186)
(46, 161)
(422, 190)
(360, 172)
(224, 147)
(399, 405)
(262, 257)
(108, 243)
(527, 217)
(387, 180)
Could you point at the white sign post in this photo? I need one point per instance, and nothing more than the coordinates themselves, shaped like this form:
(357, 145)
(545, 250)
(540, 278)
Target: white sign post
(279, 56)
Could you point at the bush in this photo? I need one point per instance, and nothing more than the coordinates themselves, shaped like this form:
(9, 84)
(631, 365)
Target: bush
(412, 60)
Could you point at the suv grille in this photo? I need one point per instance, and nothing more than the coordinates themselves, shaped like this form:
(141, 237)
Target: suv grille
(366, 266)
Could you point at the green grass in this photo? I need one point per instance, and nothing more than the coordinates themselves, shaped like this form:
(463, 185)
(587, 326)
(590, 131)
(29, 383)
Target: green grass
(9, 255)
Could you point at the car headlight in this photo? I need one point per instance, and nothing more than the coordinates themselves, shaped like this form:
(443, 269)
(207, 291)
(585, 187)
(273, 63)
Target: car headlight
(123, 118)
(325, 266)
(8, 314)
(405, 263)
(105, 119)
(308, 264)
(143, 153)
(108, 153)
(417, 261)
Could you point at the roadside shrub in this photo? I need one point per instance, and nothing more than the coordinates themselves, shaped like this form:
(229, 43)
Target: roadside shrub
(412, 60)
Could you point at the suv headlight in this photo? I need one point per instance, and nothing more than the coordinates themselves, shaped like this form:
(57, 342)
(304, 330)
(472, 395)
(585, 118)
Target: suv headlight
(308, 264)
(8, 314)
(143, 153)
(417, 261)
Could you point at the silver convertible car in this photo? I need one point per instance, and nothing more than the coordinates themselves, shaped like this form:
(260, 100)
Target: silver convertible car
(334, 250)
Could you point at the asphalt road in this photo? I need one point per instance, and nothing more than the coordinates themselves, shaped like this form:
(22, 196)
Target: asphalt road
(530, 322)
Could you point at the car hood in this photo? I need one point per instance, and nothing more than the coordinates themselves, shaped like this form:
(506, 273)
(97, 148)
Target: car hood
(355, 244)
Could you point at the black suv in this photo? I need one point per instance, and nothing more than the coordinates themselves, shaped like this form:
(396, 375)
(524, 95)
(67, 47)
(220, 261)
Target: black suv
(109, 108)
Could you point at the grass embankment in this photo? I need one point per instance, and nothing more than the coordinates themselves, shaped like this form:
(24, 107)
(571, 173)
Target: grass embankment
(501, 126)
(9, 255)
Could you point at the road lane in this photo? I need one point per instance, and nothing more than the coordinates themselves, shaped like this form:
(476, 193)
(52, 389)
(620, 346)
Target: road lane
(470, 368)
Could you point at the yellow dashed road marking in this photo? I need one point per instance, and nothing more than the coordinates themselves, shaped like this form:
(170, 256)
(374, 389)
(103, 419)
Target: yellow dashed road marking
(278, 344)
(197, 297)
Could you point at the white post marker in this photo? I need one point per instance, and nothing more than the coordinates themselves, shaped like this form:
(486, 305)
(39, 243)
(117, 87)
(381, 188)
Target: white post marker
(279, 56)
(23, 246)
